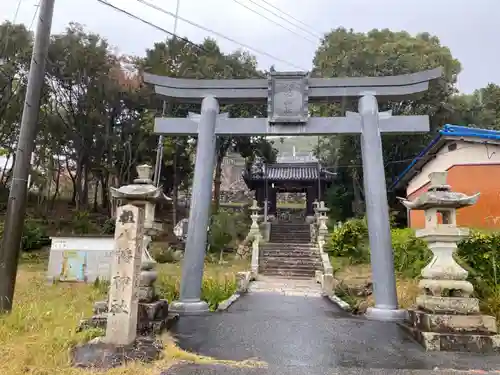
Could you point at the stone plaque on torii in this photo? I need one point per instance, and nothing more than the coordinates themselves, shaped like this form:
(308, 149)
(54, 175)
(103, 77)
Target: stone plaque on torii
(287, 95)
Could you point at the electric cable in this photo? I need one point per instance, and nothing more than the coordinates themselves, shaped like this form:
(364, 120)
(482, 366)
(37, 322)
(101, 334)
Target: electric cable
(306, 28)
(159, 28)
(216, 33)
(272, 21)
(7, 39)
(37, 7)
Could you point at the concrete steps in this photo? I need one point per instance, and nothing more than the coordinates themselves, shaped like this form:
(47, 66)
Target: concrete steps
(289, 253)
(288, 273)
(290, 233)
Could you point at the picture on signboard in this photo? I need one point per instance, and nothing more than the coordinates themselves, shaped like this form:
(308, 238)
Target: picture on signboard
(73, 266)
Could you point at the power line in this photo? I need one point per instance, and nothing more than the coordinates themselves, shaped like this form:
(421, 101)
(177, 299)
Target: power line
(34, 15)
(17, 11)
(7, 37)
(318, 34)
(271, 20)
(206, 29)
(187, 41)
(152, 24)
(304, 26)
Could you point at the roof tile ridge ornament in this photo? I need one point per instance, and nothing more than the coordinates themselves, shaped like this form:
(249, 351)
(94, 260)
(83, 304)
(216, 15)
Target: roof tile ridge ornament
(440, 195)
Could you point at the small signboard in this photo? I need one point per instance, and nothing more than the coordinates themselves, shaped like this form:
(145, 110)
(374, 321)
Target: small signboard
(80, 259)
(73, 266)
(288, 98)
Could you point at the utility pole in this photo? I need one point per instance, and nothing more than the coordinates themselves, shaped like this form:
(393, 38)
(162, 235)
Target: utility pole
(16, 207)
(159, 151)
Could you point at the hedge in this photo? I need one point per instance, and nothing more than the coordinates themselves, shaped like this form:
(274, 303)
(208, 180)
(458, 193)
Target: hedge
(478, 253)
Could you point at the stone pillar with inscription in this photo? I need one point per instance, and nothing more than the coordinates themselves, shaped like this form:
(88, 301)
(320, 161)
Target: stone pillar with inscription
(147, 313)
(121, 327)
(121, 343)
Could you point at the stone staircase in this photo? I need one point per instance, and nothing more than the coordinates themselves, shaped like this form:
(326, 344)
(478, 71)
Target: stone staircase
(289, 253)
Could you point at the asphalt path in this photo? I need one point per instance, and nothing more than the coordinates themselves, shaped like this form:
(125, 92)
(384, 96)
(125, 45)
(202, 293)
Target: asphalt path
(310, 335)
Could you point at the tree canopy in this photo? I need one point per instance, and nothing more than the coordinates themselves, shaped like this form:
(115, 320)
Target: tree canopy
(96, 117)
(345, 53)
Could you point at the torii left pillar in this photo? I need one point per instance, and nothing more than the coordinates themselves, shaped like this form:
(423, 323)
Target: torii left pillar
(190, 302)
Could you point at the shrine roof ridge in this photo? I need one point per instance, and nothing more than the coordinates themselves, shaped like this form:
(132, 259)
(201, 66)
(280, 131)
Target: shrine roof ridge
(319, 89)
(308, 171)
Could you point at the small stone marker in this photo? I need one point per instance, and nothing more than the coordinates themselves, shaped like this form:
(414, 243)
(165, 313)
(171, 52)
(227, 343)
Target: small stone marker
(181, 229)
(126, 272)
(133, 311)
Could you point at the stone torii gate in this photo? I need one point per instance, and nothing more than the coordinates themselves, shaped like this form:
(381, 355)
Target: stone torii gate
(287, 95)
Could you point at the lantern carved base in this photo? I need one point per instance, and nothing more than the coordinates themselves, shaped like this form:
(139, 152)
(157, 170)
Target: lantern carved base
(446, 318)
(447, 332)
(442, 322)
(153, 317)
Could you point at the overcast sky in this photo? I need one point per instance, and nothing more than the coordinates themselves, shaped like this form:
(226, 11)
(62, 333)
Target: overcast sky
(469, 28)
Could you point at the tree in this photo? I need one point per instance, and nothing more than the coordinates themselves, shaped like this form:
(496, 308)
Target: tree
(100, 112)
(178, 58)
(96, 117)
(479, 109)
(345, 53)
(15, 54)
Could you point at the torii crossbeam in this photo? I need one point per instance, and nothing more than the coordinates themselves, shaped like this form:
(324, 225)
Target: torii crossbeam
(287, 95)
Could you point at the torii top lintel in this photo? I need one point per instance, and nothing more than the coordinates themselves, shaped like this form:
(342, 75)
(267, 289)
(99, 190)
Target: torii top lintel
(319, 90)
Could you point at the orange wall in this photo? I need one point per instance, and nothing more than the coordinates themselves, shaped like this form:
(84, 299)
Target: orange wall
(470, 179)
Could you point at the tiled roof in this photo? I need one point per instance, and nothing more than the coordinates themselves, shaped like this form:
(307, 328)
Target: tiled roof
(288, 171)
(448, 132)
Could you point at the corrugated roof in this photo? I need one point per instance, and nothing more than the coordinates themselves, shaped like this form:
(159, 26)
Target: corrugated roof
(289, 172)
(448, 132)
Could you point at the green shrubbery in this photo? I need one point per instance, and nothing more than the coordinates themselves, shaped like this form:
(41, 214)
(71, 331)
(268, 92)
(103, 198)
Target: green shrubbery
(350, 241)
(227, 229)
(34, 235)
(214, 289)
(410, 253)
(163, 253)
(479, 254)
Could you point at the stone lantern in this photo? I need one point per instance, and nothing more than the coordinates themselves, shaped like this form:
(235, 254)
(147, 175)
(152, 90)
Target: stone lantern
(446, 317)
(152, 311)
(321, 217)
(143, 184)
(255, 236)
(255, 215)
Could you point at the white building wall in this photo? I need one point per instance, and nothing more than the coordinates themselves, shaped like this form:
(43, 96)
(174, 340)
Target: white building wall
(465, 153)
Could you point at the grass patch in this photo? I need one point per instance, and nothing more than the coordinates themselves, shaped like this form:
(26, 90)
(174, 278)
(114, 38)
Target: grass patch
(219, 281)
(37, 336)
(355, 279)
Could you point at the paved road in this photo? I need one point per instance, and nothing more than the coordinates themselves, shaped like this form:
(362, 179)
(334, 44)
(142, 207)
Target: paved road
(309, 335)
(227, 370)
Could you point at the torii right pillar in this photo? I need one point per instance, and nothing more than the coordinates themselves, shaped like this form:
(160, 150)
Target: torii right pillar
(377, 212)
